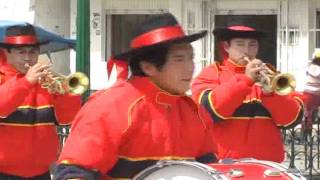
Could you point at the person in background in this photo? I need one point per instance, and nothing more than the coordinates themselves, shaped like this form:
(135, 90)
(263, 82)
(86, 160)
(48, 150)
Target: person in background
(246, 118)
(138, 121)
(311, 91)
(28, 113)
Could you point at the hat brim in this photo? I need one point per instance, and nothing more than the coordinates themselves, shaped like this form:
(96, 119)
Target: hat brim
(6, 45)
(134, 52)
(227, 34)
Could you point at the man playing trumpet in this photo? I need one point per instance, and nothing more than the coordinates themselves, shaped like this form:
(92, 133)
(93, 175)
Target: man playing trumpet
(246, 118)
(28, 112)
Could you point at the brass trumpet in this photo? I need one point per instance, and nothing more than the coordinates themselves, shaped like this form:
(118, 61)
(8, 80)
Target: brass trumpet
(272, 80)
(76, 83)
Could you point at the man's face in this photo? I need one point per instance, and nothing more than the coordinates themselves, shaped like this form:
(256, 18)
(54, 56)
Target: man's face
(238, 48)
(176, 74)
(22, 57)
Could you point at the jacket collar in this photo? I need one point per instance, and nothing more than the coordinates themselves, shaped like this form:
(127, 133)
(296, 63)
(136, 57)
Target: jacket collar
(235, 67)
(146, 86)
(9, 70)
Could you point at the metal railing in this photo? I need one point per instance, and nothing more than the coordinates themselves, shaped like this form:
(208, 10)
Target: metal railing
(302, 147)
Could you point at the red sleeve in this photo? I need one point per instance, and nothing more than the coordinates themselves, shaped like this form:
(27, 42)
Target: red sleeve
(93, 143)
(220, 97)
(285, 110)
(12, 93)
(310, 100)
(66, 107)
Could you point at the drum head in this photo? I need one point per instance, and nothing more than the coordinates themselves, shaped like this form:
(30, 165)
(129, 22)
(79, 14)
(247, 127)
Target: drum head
(176, 170)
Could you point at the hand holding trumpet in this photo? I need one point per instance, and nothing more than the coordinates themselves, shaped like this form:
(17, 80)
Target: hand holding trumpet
(36, 72)
(269, 78)
(253, 68)
(39, 73)
(55, 83)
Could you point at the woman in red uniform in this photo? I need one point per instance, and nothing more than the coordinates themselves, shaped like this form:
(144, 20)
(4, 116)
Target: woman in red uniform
(137, 122)
(28, 113)
(246, 119)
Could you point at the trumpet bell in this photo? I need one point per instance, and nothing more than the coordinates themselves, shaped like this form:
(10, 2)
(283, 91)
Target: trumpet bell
(283, 84)
(77, 83)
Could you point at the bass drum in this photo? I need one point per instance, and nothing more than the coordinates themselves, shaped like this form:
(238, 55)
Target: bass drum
(179, 170)
(256, 169)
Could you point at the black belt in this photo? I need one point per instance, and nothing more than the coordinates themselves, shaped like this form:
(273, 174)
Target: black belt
(45, 176)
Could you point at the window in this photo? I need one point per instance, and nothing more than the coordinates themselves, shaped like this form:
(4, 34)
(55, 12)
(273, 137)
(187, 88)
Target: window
(122, 28)
(318, 29)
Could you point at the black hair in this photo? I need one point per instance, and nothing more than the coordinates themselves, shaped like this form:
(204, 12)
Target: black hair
(156, 56)
(228, 39)
(19, 30)
(316, 61)
(9, 48)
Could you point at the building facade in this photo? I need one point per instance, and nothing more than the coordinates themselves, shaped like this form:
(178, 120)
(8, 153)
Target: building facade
(294, 27)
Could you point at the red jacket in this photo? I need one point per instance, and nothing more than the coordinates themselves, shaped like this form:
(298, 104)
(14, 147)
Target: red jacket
(246, 122)
(28, 115)
(128, 127)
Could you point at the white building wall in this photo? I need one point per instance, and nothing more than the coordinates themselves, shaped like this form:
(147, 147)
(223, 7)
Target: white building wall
(135, 5)
(314, 5)
(54, 15)
(176, 8)
(294, 45)
(73, 32)
(50, 14)
(196, 17)
(19, 10)
(293, 15)
(98, 73)
(246, 6)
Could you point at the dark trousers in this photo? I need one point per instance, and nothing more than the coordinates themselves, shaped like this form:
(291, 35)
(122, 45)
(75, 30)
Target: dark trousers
(311, 104)
(45, 176)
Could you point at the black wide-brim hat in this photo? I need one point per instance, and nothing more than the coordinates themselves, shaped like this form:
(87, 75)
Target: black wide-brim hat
(238, 32)
(239, 27)
(21, 35)
(161, 30)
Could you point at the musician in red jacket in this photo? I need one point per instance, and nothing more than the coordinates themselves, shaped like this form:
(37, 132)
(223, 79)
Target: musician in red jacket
(138, 121)
(28, 113)
(246, 118)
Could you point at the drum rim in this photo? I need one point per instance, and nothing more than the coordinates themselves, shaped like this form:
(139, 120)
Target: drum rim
(166, 163)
